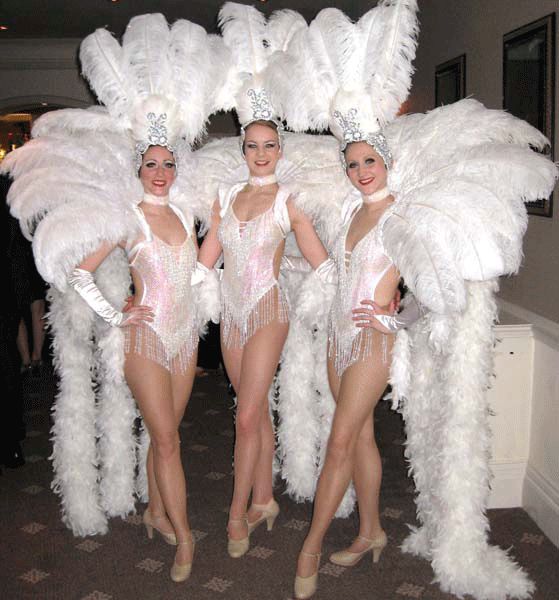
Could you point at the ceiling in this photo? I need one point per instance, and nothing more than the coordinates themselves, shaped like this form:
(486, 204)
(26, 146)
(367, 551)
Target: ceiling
(78, 18)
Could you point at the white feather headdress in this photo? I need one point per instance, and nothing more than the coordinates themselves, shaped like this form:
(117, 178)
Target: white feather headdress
(350, 77)
(252, 40)
(159, 84)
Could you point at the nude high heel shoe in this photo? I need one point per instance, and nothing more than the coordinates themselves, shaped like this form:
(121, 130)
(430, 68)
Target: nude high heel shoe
(345, 558)
(181, 573)
(149, 522)
(305, 587)
(237, 548)
(269, 513)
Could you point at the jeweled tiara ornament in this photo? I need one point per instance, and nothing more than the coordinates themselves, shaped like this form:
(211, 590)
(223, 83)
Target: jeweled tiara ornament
(262, 109)
(352, 132)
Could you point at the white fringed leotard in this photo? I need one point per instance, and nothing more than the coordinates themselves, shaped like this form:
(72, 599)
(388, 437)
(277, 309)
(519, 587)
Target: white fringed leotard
(250, 294)
(359, 273)
(165, 271)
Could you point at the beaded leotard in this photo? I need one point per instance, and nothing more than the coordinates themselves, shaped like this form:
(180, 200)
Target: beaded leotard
(359, 273)
(250, 294)
(165, 271)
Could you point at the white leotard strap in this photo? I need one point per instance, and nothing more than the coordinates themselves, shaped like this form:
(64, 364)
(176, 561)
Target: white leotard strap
(351, 203)
(186, 219)
(281, 213)
(146, 231)
(226, 196)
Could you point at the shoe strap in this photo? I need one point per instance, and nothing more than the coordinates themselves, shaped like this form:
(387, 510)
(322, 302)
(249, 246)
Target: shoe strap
(317, 555)
(264, 507)
(371, 540)
(242, 520)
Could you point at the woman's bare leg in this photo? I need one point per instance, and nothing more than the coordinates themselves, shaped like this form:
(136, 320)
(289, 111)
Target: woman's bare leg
(23, 344)
(366, 476)
(360, 389)
(38, 328)
(162, 399)
(251, 371)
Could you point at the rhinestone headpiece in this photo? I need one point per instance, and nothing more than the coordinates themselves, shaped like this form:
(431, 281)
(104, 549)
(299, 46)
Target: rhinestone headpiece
(262, 109)
(352, 132)
(157, 135)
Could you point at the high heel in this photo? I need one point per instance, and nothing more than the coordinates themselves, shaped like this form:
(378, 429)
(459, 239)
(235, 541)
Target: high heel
(269, 513)
(305, 587)
(149, 522)
(237, 548)
(346, 558)
(181, 573)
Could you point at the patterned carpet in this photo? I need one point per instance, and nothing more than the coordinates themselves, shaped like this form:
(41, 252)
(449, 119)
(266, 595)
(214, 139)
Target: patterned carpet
(40, 558)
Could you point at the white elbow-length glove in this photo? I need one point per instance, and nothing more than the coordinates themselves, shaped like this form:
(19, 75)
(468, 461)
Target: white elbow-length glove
(410, 313)
(84, 283)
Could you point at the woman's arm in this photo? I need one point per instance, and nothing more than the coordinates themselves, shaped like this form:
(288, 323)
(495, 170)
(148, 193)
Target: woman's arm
(388, 321)
(83, 281)
(211, 249)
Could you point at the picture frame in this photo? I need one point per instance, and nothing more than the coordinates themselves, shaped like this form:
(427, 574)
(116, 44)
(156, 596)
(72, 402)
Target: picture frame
(450, 81)
(529, 85)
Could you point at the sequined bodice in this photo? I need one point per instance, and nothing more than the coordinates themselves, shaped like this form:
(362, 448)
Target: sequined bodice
(165, 271)
(249, 249)
(359, 273)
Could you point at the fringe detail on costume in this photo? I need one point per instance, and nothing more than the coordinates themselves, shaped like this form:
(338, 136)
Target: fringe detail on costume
(448, 445)
(116, 407)
(270, 307)
(74, 455)
(143, 340)
(361, 348)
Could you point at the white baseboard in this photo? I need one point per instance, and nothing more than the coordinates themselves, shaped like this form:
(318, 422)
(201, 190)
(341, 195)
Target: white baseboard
(541, 501)
(545, 329)
(507, 483)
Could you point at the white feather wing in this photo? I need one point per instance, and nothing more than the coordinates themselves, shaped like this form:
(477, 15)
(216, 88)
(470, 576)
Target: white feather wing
(461, 176)
(71, 193)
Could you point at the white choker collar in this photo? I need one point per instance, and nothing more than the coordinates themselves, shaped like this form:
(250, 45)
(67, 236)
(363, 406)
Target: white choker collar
(377, 196)
(157, 200)
(262, 181)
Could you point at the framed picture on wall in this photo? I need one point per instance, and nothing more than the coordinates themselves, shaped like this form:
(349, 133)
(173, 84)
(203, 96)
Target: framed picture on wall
(450, 81)
(529, 84)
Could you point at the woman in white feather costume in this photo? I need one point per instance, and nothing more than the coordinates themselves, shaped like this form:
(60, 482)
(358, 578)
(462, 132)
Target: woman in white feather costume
(250, 222)
(459, 177)
(116, 214)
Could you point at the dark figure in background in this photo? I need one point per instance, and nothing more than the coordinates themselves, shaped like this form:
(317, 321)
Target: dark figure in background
(32, 324)
(209, 348)
(12, 265)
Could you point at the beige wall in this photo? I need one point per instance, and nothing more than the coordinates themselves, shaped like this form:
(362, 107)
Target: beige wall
(476, 27)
